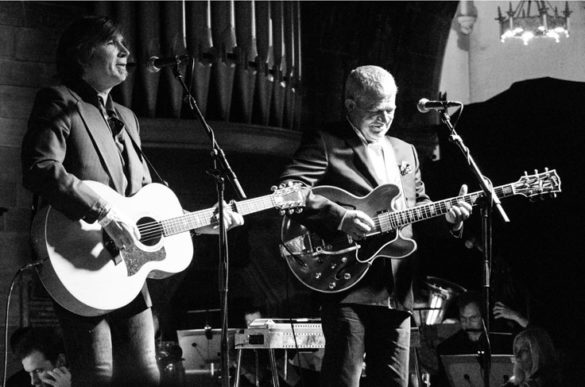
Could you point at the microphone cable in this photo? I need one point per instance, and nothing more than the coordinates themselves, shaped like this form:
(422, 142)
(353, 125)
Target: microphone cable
(24, 268)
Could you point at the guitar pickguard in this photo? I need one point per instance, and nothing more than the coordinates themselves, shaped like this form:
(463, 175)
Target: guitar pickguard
(338, 263)
(135, 258)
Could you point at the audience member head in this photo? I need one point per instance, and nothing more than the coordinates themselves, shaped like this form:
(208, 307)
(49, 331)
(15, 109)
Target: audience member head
(79, 44)
(470, 317)
(534, 351)
(370, 101)
(40, 350)
(16, 336)
(251, 311)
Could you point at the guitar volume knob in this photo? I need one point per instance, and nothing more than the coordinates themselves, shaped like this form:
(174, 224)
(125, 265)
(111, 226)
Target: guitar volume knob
(346, 276)
(317, 275)
(332, 285)
(344, 259)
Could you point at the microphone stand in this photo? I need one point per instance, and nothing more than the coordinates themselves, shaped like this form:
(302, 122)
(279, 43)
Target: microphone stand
(489, 201)
(221, 171)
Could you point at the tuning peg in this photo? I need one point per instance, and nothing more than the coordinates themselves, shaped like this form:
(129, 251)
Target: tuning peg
(273, 188)
(291, 211)
(282, 212)
(298, 210)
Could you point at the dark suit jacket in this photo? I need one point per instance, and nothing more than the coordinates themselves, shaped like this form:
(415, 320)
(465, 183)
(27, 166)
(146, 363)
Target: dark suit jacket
(336, 156)
(68, 140)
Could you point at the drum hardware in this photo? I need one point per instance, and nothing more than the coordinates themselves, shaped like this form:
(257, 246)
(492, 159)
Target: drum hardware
(441, 294)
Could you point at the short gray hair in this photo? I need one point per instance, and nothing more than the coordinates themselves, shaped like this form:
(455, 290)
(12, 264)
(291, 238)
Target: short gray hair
(367, 81)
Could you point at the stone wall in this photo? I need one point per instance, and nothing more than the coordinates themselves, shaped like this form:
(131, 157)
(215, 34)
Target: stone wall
(28, 38)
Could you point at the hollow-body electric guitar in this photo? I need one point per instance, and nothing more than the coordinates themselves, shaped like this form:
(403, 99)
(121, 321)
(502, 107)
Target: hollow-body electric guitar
(334, 264)
(84, 272)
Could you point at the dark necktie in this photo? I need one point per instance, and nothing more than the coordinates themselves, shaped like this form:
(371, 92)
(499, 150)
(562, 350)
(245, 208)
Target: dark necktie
(116, 126)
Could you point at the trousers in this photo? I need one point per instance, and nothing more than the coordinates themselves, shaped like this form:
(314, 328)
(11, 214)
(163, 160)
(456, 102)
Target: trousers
(352, 331)
(116, 349)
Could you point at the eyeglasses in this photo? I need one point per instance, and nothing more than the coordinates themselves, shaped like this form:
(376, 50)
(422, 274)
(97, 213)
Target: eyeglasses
(472, 319)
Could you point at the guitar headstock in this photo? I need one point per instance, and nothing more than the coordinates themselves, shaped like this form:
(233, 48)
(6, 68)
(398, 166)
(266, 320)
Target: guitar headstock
(290, 198)
(538, 185)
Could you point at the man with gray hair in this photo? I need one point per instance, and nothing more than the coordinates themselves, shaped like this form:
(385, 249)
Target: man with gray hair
(372, 317)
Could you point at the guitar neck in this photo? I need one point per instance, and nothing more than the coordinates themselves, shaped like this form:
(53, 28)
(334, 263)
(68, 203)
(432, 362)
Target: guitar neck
(202, 218)
(395, 220)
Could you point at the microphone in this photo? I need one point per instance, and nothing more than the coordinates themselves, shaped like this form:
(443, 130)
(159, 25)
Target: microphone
(425, 106)
(155, 64)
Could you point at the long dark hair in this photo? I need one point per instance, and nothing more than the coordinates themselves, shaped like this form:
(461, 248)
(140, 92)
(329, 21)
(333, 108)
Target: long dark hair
(78, 41)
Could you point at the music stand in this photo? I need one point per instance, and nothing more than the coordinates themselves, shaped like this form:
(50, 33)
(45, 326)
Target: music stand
(202, 349)
(466, 370)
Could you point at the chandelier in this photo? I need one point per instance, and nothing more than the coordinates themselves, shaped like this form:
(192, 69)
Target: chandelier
(521, 24)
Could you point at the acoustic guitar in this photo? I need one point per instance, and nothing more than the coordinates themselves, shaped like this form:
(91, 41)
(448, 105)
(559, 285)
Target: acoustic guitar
(84, 272)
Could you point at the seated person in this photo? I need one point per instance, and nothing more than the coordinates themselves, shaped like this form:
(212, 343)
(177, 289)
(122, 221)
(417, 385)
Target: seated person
(536, 362)
(19, 378)
(42, 354)
(471, 338)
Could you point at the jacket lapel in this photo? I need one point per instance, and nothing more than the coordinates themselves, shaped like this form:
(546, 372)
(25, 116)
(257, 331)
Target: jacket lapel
(404, 156)
(135, 168)
(362, 162)
(128, 124)
(104, 142)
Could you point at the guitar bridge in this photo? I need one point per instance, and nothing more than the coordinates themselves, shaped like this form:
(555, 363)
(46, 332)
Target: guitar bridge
(111, 247)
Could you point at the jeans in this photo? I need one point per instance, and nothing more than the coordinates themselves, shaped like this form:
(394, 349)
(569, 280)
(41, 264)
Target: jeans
(350, 331)
(116, 349)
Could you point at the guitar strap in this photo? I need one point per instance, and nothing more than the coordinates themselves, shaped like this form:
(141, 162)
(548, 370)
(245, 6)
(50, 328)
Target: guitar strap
(143, 155)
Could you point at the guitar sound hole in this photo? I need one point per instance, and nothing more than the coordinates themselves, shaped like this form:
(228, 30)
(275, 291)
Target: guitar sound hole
(150, 231)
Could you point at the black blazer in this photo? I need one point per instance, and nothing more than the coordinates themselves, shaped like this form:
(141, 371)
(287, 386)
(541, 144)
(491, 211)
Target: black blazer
(336, 156)
(68, 140)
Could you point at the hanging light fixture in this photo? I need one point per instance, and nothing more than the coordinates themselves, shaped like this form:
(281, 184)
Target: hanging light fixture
(521, 24)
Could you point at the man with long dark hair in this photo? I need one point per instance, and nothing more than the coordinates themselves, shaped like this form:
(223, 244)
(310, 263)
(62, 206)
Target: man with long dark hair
(77, 132)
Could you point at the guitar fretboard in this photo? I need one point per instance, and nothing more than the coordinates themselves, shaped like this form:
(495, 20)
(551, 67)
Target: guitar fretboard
(202, 218)
(394, 220)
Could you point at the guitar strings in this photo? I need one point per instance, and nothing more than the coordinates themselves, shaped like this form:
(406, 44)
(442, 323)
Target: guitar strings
(382, 222)
(154, 229)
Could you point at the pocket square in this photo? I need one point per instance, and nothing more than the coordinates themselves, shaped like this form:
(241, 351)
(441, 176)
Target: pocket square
(404, 168)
